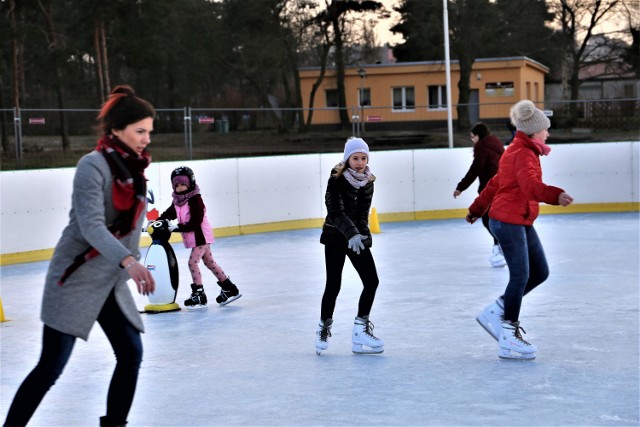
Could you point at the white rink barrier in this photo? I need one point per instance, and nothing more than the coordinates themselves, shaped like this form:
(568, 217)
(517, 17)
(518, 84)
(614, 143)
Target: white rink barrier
(257, 194)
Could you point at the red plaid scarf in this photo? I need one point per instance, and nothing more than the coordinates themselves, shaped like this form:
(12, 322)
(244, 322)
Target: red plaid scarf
(128, 191)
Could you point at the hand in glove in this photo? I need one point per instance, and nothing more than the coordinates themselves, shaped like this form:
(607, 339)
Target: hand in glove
(355, 243)
(173, 225)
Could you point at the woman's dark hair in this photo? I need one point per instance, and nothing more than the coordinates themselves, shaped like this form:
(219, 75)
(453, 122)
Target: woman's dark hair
(481, 130)
(122, 108)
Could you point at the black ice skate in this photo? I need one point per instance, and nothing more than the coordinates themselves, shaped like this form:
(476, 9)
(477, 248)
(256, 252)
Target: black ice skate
(228, 292)
(198, 299)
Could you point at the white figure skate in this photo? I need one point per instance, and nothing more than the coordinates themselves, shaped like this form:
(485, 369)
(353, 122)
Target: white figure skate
(322, 334)
(497, 258)
(491, 318)
(512, 345)
(364, 342)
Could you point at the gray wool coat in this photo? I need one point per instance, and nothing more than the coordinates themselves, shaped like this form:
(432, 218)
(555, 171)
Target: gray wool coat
(73, 307)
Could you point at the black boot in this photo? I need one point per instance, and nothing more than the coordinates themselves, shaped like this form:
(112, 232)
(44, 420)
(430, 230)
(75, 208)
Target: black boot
(198, 298)
(106, 422)
(228, 293)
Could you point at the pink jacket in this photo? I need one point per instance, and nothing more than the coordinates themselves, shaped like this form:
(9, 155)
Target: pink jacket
(192, 222)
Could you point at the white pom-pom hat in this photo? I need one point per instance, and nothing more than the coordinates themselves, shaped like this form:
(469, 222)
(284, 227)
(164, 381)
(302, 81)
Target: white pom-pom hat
(529, 119)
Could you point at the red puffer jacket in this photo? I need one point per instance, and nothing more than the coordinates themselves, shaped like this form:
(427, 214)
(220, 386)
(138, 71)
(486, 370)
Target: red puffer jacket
(515, 192)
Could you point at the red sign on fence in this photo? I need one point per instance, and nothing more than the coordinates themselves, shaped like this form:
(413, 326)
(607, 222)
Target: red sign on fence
(374, 118)
(36, 120)
(206, 120)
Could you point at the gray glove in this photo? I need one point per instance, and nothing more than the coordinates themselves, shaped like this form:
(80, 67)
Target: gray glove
(355, 243)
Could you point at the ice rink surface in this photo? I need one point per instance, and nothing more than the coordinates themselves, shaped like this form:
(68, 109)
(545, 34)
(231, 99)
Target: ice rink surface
(253, 363)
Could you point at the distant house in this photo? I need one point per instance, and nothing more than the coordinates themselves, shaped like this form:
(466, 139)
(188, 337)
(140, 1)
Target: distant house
(598, 81)
(608, 97)
(414, 93)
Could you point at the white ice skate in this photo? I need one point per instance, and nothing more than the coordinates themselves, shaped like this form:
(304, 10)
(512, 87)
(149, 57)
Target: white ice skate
(491, 318)
(322, 334)
(497, 258)
(512, 345)
(362, 337)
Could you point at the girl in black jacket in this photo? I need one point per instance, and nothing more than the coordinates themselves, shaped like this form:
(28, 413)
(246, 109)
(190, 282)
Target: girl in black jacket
(345, 233)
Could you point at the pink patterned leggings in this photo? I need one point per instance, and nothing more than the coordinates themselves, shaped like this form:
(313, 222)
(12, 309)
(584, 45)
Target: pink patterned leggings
(203, 253)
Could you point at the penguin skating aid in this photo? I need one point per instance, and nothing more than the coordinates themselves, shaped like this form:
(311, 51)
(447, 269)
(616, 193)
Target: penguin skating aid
(162, 263)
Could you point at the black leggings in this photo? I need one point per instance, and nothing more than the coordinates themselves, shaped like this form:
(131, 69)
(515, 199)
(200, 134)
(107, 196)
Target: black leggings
(56, 350)
(366, 268)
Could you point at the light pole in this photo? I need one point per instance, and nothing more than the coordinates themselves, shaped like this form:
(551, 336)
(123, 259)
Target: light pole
(362, 73)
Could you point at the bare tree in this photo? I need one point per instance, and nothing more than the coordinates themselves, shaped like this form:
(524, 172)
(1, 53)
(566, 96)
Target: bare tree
(336, 14)
(579, 22)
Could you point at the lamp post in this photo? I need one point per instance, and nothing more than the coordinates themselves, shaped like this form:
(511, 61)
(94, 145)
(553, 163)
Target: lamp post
(362, 73)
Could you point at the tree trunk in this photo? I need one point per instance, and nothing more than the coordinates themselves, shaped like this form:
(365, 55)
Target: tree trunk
(4, 119)
(318, 82)
(105, 61)
(98, 62)
(464, 88)
(54, 50)
(15, 73)
(342, 100)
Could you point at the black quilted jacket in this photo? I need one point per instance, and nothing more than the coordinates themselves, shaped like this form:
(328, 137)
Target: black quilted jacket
(347, 212)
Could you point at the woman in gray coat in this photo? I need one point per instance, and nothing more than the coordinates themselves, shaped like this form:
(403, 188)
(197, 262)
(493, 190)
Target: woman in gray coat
(96, 255)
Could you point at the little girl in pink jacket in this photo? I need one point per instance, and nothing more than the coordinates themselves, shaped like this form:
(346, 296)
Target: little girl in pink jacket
(197, 234)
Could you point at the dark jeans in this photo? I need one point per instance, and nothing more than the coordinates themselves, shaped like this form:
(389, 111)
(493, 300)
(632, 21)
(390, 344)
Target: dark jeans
(56, 350)
(526, 261)
(485, 222)
(366, 268)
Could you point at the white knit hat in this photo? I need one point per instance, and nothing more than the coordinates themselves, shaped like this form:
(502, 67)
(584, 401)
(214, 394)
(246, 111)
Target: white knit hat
(529, 119)
(355, 145)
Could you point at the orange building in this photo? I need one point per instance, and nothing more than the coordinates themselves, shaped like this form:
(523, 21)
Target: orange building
(415, 92)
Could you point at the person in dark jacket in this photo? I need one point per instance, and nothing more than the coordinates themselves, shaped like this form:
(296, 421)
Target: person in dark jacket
(512, 198)
(93, 260)
(487, 150)
(190, 213)
(345, 233)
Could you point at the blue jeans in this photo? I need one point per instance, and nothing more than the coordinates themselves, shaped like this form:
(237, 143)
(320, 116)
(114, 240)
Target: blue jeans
(56, 350)
(526, 261)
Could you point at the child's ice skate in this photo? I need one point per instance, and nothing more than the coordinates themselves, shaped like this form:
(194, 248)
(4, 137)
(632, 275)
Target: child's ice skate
(364, 342)
(512, 345)
(491, 318)
(228, 292)
(198, 298)
(497, 257)
(323, 332)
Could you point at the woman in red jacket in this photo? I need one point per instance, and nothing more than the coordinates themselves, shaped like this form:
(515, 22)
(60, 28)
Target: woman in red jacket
(487, 149)
(512, 197)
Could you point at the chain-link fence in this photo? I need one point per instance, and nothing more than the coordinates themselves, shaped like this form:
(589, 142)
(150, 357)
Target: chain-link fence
(45, 138)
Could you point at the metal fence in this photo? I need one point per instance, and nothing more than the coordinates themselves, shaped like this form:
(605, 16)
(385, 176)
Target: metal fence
(39, 138)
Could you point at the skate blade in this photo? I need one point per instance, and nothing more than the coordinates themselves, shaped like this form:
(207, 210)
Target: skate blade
(486, 328)
(196, 307)
(230, 300)
(360, 349)
(514, 355)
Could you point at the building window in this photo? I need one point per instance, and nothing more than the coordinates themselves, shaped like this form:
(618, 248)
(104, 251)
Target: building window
(404, 98)
(437, 97)
(331, 96)
(364, 97)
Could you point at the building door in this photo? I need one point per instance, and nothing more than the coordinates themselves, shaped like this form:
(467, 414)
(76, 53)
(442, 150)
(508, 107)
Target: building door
(474, 107)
